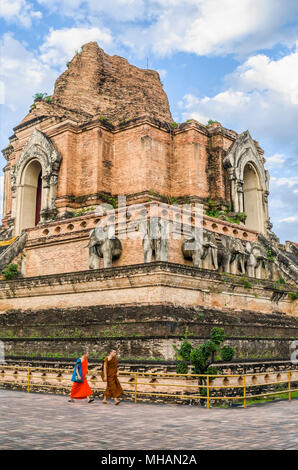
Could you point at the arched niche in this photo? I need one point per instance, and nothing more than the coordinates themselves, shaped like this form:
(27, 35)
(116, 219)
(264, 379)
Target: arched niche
(249, 182)
(34, 176)
(252, 198)
(30, 195)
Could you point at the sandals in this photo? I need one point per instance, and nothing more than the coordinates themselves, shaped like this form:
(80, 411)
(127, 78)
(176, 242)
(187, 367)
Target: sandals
(91, 400)
(117, 403)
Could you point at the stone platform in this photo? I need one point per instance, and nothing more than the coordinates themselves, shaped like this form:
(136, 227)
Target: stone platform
(143, 310)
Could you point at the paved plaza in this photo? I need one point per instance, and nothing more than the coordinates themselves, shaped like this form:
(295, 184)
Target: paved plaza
(48, 422)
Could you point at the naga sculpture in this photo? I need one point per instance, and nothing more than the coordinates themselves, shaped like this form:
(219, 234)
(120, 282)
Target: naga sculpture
(103, 245)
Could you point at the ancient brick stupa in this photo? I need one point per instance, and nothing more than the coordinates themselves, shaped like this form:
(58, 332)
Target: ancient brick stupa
(104, 147)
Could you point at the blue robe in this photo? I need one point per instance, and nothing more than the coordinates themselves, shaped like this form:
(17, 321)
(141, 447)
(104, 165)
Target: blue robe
(74, 374)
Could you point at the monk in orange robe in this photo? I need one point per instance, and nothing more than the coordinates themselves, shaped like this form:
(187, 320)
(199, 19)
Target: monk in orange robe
(110, 375)
(80, 388)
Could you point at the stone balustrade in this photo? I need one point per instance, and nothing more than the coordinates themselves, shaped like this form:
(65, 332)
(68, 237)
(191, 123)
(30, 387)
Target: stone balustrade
(149, 384)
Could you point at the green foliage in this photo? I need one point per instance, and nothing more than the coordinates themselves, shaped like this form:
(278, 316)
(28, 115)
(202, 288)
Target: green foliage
(227, 353)
(182, 367)
(246, 283)
(201, 357)
(172, 200)
(213, 210)
(174, 124)
(293, 295)
(48, 99)
(270, 255)
(183, 353)
(39, 96)
(281, 281)
(79, 212)
(217, 335)
(211, 121)
(10, 272)
(113, 201)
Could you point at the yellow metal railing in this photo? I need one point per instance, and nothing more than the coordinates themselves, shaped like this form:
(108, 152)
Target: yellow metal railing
(28, 374)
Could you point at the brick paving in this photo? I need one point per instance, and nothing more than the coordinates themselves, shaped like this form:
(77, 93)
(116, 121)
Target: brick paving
(36, 421)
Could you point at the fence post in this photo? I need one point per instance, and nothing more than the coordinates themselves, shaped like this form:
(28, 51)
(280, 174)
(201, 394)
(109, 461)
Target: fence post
(208, 394)
(244, 393)
(289, 377)
(28, 386)
(136, 386)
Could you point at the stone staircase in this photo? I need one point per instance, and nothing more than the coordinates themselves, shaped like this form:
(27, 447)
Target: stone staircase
(8, 253)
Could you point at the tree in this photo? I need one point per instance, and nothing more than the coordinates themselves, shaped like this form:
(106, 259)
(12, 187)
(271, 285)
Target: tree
(202, 357)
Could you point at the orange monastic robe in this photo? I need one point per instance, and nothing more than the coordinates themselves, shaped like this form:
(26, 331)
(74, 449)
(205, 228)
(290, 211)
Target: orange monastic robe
(81, 390)
(114, 389)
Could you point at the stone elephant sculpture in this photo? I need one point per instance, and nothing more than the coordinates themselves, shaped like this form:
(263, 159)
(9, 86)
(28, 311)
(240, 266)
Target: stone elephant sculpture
(256, 258)
(101, 245)
(231, 254)
(210, 246)
(198, 247)
(155, 239)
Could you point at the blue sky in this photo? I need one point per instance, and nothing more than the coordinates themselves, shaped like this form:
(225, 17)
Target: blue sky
(235, 61)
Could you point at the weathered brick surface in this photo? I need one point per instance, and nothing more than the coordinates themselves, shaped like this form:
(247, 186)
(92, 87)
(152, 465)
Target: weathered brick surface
(98, 84)
(141, 284)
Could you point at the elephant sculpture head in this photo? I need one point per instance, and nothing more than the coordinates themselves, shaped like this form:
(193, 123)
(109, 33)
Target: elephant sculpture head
(193, 248)
(231, 251)
(103, 245)
(155, 238)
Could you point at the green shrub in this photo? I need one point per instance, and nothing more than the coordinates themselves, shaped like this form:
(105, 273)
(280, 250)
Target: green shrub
(10, 272)
(293, 295)
(182, 367)
(39, 96)
(227, 353)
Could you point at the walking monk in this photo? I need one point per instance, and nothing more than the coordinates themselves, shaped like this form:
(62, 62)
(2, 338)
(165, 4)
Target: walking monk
(80, 388)
(110, 375)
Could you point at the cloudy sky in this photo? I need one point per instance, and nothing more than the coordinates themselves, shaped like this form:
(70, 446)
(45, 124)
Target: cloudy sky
(235, 61)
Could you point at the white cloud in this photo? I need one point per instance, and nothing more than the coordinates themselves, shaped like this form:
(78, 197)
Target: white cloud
(22, 75)
(264, 74)
(289, 181)
(289, 220)
(203, 27)
(60, 45)
(19, 66)
(260, 95)
(162, 73)
(119, 10)
(18, 11)
(276, 160)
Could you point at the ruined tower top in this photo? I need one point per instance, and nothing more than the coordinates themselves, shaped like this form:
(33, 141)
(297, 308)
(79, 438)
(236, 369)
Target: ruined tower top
(97, 84)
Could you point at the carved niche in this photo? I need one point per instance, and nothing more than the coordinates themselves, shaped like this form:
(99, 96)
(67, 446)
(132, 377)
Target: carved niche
(249, 181)
(38, 148)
